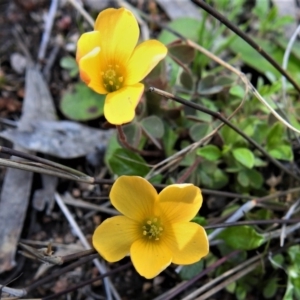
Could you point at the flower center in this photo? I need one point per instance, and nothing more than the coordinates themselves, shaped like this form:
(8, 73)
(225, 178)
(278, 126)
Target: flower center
(152, 229)
(112, 78)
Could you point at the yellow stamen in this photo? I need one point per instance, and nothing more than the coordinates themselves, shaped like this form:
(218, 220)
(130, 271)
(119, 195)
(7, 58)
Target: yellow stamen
(152, 229)
(112, 78)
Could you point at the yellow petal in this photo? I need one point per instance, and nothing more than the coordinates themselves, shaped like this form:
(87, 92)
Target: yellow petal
(119, 33)
(187, 242)
(180, 202)
(119, 106)
(144, 58)
(86, 43)
(113, 238)
(134, 197)
(89, 71)
(149, 257)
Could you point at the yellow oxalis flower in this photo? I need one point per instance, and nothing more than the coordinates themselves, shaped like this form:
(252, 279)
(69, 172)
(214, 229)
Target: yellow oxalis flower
(155, 228)
(110, 62)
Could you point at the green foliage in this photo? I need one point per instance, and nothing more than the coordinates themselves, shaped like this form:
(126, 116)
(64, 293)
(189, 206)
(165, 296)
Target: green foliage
(153, 126)
(210, 152)
(270, 289)
(211, 176)
(69, 63)
(269, 20)
(126, 162)
(199, 220)
(293, 272)
(244, 156)
(169, 140)
(190, 271)
(275, 144)
(182, 26)
(199, 131)
(242, 237)
(82, 103)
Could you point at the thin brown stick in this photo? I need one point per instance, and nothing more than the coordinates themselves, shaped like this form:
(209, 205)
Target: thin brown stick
(124, 142)
(189, 170)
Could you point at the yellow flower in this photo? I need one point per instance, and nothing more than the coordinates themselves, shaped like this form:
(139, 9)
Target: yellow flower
(155, 229)
(111, 63)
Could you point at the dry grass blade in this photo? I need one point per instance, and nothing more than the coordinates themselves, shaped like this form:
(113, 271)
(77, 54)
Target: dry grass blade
(110, 290)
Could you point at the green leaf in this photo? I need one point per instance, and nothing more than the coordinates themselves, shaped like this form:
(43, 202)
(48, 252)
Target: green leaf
(252, 58)
(183, 53)
(189, 158)
(182, 26)
(133, 133)
(242, 237)
(261, 132)
(231, 287)
(259, 162)
(199, 131)
(275, 135)
(212, 177)
(82, 104)
(190, 271)
(294, 254)
(169, 140)
(199, 220)
(255, 177)
(126, 162)
(207, 86)
(186, 79)
(277, 261)
(289, 291)
(261, 9)
(229, 136)
(69, 63)
(220, 179)
(201, 116)
(154, 126)
(157, 179)
(240, 292)
(237, 91)
(270, 289)
(250, 177)
(210, 152)
(224, 81)
(243, 178)
(244, 156)
(283, 152)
